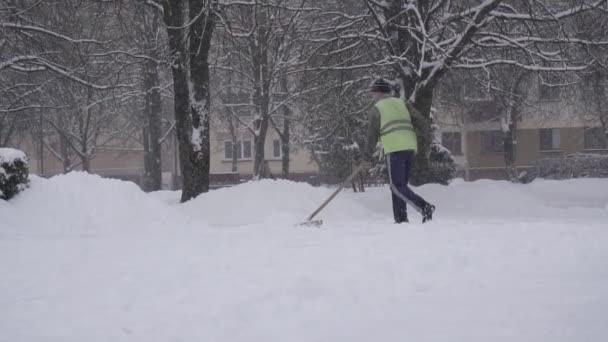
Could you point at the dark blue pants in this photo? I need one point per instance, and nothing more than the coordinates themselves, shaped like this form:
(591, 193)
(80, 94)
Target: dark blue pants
(399, 165)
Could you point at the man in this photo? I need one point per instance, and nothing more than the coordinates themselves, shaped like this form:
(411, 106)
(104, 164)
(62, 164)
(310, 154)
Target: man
(390, 120)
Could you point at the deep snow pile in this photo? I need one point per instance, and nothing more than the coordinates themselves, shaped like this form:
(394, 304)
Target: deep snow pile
(90, 259)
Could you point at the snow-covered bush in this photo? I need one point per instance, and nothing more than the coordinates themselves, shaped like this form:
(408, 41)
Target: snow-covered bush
(13, 172)
(443, 167)
(578, 165)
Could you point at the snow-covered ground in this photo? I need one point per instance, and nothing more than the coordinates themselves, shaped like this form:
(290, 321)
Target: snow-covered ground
(89, 259)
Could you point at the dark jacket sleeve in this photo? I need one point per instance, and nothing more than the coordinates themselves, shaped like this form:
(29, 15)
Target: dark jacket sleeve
(373, 132)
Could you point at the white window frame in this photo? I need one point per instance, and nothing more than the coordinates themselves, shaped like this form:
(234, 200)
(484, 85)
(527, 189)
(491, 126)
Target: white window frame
(555, 139)
(280, 149)
(250, 149)
(241, 145)
(496, 140)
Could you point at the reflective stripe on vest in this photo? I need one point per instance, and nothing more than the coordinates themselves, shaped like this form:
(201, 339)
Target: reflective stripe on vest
(396, 125)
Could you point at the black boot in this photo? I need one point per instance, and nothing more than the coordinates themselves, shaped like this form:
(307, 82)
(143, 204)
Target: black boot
(427, 212)
(402, 220)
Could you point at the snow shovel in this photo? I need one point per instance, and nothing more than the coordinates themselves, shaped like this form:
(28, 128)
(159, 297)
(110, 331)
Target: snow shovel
(317, 223)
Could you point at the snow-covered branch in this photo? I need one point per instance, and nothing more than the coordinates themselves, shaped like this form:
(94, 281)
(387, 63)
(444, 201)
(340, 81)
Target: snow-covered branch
(48, 32)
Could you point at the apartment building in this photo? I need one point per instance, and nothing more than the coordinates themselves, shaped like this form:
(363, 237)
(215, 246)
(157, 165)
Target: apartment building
(235, 155)
(126, 161)
(554, 122)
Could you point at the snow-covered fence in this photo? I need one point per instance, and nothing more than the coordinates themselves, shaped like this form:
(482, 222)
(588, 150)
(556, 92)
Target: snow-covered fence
(578, 165)
(13, 172)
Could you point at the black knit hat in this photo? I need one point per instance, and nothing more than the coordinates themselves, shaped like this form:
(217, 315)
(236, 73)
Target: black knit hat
(381, 86)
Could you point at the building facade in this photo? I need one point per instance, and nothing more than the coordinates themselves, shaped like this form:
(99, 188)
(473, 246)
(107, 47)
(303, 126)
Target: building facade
(552, 122)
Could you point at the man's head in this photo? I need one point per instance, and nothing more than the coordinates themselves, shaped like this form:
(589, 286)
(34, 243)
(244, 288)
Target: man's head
(380, 88)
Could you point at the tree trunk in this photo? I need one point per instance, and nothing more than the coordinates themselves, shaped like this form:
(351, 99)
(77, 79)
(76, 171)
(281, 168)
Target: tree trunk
(83, 138)
(259, 141)
(600, 96)
(152, 128)
(286, 134)
(232, 124)
(173, 17)
(201, 32)
(234, 141)
(86, 163)
(509, 126)
(152, 111)
(421, 174)
(84, 154)
(259, 47)
(285, 150)
(64, 149)
(510, 145)
(191, 104)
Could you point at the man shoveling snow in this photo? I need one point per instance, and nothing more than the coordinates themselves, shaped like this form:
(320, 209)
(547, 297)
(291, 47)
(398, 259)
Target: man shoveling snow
(390, 120)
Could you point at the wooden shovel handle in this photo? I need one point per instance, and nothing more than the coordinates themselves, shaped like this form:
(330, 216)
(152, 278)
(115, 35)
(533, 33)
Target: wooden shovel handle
(335, 193)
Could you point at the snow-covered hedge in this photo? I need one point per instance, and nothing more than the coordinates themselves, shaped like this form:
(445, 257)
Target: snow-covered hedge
(573, 166)
(443, 167)
(13, 172)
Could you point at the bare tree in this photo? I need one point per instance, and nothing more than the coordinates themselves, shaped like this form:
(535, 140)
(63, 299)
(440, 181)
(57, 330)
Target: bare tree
(76, 82)
(422, 40)
(141, 27)
(260, 55)
(190, 42)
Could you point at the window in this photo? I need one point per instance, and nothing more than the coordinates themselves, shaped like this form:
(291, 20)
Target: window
(492, 141)
(241, 149)
(247, 149)
(549, 139)
(276, 148)
(452, 141)
(227, 149)
(595, 139)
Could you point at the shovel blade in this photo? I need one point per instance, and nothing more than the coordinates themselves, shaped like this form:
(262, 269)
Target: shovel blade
(312, 223)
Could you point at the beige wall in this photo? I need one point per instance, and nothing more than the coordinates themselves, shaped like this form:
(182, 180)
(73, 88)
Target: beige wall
(528, 147)
(300, 158)
(115, 162)
(129, 162)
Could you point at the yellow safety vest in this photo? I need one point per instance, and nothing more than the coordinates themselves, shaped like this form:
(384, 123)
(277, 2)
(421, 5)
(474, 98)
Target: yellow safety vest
(396, 129)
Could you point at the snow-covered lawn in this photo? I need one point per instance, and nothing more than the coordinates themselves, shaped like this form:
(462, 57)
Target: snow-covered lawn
(88, 259)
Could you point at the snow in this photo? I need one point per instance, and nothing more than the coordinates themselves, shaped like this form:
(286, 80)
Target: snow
(352, 147)
(9, 155)
(89, 259)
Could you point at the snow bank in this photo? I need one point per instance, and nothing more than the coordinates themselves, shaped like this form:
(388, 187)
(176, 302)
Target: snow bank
(272, 202)
(88, 204)
(81, 203)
